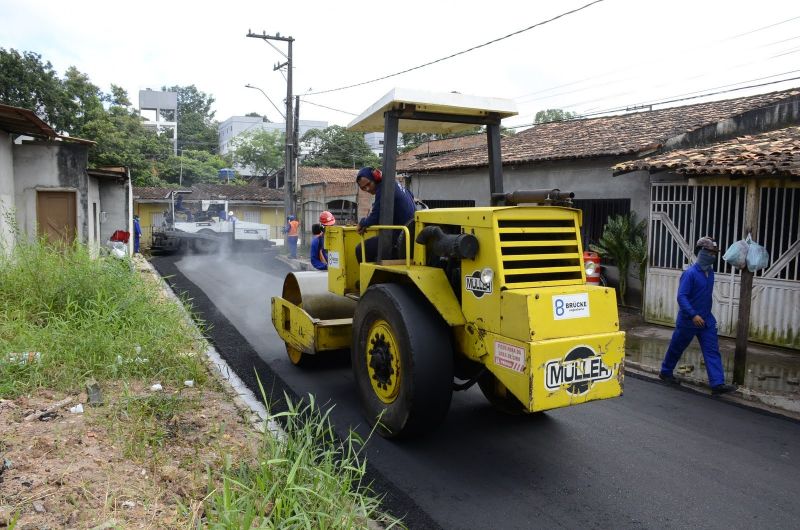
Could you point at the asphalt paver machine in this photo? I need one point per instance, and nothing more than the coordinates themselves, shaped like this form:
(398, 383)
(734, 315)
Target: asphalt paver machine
(493, 295)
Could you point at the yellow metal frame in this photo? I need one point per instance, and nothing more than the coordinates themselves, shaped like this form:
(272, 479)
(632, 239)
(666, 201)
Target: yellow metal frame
(308, 334)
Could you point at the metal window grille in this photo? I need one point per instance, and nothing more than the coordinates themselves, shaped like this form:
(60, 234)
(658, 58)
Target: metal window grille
(779, 232)
(343, 210)
(595, 216)
(251, 216)
(156, 219)
(680, 214)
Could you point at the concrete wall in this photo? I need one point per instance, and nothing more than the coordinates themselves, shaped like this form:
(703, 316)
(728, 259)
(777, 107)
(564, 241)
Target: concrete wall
(113, 200)
(53, 167)
(6, 191)
(590, 179)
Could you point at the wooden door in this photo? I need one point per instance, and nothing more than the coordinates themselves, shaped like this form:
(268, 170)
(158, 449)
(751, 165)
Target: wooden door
(56, 216)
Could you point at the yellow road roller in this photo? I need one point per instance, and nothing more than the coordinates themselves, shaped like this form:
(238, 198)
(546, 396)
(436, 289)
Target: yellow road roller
(493, 295)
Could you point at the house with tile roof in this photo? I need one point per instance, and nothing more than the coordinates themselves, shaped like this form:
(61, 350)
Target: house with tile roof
(747, 184)
(578, 156)
(325, 188)
(332, 189)
(252, 202)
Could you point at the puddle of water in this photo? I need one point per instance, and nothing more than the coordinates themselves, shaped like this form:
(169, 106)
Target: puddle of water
(769, 373)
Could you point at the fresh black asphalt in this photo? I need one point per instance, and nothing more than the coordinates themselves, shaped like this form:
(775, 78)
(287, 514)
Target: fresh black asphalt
(656, 458)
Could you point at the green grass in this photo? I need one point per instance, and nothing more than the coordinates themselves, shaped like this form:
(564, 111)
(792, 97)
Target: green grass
(98, 318)
(87, 318)
(305, 479)
(143, 424)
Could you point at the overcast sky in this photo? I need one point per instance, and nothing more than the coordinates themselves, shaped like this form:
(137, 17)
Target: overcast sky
(612, 54)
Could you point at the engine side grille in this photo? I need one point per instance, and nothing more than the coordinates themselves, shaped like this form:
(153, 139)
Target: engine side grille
(539, 252)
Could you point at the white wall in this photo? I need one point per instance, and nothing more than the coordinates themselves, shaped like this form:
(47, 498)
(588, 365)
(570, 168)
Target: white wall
(6, 190)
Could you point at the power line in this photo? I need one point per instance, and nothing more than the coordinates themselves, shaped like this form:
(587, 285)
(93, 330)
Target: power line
(763, 28)
(527, 99)
(458, 53)
(329, 108)
(646, 103)
(663, 102)
(694, 49)
(619, 94)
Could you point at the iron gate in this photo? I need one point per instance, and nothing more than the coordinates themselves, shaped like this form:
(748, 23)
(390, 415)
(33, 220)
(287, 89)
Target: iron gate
(680, 214)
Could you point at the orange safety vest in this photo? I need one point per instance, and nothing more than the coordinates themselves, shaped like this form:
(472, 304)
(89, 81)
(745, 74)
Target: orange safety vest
(293, 225)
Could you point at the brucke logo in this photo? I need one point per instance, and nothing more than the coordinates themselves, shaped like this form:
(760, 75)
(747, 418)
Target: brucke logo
(579, 370)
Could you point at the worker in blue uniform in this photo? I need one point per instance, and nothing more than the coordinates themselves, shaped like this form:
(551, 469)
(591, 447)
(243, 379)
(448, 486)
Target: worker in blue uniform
(370, 180)
(137, 234)
(319, 256)
(696, 320)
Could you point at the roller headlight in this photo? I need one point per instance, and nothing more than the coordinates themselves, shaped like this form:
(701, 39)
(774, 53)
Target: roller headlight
(487, 275)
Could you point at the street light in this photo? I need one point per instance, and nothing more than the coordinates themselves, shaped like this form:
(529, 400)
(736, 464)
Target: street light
(268, 99)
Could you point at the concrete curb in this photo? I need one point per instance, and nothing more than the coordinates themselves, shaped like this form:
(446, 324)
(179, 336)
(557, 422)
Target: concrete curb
(244, 399)
(764, 401)
(296, 264)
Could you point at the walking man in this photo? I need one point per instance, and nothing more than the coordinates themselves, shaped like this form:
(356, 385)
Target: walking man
(695, 319)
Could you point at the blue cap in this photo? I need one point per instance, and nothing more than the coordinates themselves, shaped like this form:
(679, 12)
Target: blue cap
(366, 172)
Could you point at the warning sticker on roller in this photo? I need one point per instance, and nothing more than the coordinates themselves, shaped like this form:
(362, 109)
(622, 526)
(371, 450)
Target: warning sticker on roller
(509, 356)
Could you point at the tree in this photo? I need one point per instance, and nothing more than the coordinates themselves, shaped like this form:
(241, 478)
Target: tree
(335, 146)
(263, 150)
(191, 167)
(122, 140)
(29, 83)
(623, 241)
(197, 128)
(550, 115)
(412, 140)
(83, 99)
(257, 115)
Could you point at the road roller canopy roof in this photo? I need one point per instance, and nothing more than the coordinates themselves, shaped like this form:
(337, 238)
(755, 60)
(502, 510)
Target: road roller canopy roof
(442, 104)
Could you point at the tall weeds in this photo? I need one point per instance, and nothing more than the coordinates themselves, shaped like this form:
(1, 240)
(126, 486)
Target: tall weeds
(86, 318)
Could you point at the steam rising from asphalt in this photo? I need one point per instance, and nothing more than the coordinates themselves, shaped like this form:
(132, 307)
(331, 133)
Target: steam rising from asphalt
(233, 277)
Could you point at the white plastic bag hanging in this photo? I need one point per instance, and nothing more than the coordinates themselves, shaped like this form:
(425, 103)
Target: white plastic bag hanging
(757, 256)
(736, 255)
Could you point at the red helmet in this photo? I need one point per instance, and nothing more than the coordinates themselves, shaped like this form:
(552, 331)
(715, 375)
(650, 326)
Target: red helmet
(326, 218)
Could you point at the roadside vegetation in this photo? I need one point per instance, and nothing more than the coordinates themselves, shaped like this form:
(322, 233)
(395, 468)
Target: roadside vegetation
(178, 456)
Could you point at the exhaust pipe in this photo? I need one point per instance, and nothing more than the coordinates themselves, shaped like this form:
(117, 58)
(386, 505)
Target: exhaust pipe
(554, 197)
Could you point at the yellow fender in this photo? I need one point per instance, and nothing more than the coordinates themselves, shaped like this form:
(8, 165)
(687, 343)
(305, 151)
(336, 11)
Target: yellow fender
(431, 282)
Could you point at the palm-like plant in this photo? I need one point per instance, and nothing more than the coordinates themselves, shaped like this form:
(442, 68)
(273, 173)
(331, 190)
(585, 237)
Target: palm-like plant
(624, 241)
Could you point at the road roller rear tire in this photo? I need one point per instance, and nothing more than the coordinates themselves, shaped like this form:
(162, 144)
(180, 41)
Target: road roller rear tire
(402, 361)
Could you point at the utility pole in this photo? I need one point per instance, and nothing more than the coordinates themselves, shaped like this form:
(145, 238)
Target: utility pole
(289, 170)
(745, 287)
(296, 139)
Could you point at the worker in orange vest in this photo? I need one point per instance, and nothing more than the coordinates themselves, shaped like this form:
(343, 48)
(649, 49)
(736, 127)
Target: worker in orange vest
(292, 230)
